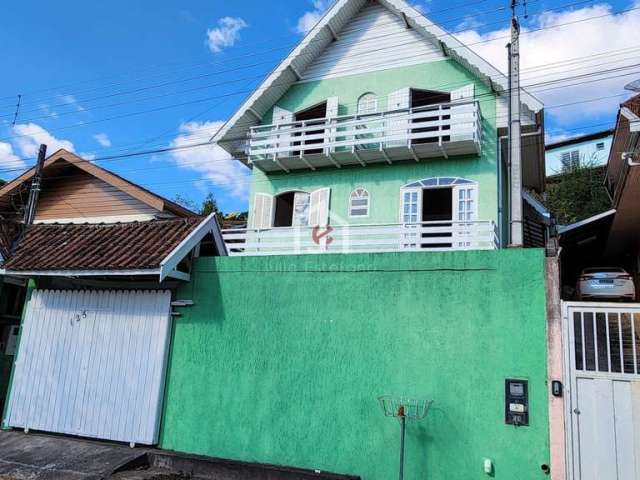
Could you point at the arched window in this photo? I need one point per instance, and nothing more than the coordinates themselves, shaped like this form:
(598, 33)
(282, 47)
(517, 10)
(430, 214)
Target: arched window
(367, 103)
(359, 203)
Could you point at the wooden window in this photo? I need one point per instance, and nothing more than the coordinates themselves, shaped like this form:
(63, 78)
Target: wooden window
(359, 203)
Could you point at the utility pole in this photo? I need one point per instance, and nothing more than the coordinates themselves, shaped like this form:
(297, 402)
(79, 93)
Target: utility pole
(30, 210)
(515, 160)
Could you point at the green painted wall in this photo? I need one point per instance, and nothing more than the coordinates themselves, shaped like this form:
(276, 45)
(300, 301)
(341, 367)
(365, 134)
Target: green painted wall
(281, 360)
(384, 181)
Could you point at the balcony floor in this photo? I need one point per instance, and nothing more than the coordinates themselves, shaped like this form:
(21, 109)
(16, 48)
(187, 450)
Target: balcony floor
(367, 156)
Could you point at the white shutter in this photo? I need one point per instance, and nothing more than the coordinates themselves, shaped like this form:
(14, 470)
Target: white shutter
(281, 118)
(332, 113)
(462, 116)
(262, 213)
(319, 207)
(398, 100)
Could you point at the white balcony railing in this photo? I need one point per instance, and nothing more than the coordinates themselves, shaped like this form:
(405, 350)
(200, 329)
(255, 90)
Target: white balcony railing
(427, 236)
(413, 133)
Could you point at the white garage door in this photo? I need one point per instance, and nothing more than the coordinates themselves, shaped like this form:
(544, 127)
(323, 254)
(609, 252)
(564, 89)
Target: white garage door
(604, 361)
(92, 363)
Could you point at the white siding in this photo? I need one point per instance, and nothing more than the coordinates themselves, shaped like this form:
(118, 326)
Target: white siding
(375, 39)
(92, 363)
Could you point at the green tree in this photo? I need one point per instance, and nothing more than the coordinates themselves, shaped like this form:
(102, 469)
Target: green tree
(577, 193)
(209, 206)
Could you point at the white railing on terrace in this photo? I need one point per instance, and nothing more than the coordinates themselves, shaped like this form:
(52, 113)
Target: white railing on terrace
(426, 236)
(410, 128)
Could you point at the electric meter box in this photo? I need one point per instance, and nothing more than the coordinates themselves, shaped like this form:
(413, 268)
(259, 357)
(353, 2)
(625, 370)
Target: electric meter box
(516, 402)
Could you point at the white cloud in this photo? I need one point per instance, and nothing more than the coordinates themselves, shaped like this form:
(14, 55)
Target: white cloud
(29, 136)
(71, 100)
(102, 139)
(309, 19)
(226, 34)
(87, 155)
(8, 159)
(214, 164)
(588, 40)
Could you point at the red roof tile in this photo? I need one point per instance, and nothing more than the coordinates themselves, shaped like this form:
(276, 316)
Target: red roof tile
(119, 246)
(633, 104)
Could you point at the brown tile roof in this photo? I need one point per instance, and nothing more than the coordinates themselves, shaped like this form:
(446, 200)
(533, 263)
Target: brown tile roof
(118, 246)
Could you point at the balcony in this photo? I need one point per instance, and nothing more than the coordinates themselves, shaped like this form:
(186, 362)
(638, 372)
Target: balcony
(426, 236)
(441, 130)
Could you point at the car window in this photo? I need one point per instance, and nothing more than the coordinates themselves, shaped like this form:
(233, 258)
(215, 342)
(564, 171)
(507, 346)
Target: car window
(603, 270)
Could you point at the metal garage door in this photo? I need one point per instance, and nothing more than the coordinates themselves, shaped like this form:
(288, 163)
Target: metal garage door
(92, 363)
(604, 365)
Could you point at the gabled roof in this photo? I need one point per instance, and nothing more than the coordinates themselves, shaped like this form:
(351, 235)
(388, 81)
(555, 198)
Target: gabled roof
(137, 248)
(136, 191)
(320, 37)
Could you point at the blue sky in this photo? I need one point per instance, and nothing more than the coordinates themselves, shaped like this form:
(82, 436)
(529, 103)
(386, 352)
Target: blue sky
(103, 78)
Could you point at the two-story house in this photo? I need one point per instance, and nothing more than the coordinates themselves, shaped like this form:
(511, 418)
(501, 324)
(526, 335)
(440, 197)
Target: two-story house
(385, 129)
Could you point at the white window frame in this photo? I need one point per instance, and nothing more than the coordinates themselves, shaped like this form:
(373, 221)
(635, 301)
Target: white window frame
(370, 103)
(366, 196)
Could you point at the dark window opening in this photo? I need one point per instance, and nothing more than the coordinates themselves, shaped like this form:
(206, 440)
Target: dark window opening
(318, 112)
(284, 210)
(437, 206)
(424, 98)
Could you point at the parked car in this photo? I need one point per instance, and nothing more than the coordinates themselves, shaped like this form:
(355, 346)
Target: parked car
(605, 283)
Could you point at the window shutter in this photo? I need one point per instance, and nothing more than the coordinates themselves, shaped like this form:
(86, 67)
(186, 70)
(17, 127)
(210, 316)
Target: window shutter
(319, 207)
(398, 123)
(281, 117)
(262, 213)
(332, 113)
(462, 116)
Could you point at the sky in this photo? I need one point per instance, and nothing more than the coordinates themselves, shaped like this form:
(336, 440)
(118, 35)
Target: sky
(104, 78)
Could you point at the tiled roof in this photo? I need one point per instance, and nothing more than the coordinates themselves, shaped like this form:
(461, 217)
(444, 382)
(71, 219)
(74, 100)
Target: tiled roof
(118, 246)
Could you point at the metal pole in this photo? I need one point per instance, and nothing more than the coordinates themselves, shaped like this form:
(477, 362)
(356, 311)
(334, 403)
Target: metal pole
(402, 430)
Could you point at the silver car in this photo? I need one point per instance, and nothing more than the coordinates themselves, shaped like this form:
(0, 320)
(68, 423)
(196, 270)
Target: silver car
(605, 283)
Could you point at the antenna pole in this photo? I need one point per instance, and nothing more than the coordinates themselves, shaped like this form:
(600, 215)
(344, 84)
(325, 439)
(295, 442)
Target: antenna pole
(515, 151)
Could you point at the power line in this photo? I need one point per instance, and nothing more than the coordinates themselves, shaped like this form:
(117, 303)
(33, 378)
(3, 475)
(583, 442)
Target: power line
(446, 34)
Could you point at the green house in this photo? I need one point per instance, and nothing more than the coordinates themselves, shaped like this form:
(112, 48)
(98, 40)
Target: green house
(381, 132)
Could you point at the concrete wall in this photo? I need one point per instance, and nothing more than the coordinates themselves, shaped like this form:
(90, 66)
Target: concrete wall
(384, 181)
(281, 360)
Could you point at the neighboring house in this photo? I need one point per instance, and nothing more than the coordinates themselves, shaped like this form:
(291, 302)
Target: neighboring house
(384, 127)
(592, 149)
(623, 184)
(104, 259)
(77, 191)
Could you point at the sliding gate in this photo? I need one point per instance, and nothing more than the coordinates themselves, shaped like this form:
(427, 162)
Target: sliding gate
(602, 341)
